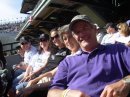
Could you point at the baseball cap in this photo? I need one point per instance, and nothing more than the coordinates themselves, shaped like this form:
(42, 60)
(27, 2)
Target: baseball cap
(112, 25)
(24, 39)
(78, 18)
(44, 37)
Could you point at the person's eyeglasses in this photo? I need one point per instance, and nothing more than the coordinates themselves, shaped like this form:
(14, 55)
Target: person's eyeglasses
(42, 40)
(56, 36)
(24, 43)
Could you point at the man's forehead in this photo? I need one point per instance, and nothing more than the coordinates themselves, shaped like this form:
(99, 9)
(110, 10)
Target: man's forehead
(82, 21)
(80, 24)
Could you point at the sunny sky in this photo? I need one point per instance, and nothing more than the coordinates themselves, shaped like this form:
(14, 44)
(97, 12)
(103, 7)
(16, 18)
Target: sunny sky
(10, 10)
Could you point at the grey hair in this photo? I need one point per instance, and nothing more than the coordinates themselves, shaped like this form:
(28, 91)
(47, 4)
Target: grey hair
(63, 29)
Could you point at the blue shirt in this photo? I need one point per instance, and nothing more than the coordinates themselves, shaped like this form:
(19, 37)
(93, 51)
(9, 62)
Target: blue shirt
(91, 72)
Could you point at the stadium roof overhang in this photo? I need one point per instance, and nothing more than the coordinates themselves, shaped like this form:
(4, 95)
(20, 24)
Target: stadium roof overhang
(28, 5)
(48, 14)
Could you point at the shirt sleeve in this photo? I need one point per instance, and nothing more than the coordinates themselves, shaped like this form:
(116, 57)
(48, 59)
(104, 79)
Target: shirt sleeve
(60, 79)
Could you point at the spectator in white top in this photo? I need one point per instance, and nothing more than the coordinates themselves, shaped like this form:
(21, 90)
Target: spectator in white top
(123, 35)
(109, 38)
(30, 50)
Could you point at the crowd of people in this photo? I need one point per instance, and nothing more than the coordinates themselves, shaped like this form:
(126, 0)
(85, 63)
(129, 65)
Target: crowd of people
(75, 60)
(11, 27)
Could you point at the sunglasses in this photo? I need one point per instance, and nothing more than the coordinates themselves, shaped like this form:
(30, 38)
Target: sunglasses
(56, 36)
(23, 43)
(43, 40)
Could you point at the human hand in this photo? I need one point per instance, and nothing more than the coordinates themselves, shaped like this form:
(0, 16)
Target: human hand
(30, 83)
(24, 79)
(118, 89)
(28, 78)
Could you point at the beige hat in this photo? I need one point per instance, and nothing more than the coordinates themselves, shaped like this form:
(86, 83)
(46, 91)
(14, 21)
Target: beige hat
(79, 17)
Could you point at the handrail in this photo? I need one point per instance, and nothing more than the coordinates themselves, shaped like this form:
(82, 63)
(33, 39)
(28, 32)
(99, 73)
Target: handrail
(11, 49)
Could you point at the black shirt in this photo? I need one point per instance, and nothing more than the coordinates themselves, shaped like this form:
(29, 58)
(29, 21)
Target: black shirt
(56, 58)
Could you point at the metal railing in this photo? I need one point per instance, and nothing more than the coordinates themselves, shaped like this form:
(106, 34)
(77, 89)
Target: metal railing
(11, 48)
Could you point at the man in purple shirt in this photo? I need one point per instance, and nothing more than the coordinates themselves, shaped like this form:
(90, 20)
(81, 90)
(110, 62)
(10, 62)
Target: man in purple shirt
(96, 71)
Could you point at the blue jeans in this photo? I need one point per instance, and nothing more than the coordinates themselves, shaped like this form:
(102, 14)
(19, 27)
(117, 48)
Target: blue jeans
(21, 86)
(16, 81)
(18, 72)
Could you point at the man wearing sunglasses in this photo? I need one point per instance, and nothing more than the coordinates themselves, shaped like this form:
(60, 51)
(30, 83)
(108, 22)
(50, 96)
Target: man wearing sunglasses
(30, 50)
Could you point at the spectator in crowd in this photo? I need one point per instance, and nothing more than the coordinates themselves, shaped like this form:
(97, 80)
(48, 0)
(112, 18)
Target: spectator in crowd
(68, 39)
(10, 27)
(123, 35)
(109, 38)
(97, 71)
(30, 50)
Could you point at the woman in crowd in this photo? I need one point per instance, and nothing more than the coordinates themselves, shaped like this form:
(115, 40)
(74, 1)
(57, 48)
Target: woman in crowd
(111, 30)
(123, 35)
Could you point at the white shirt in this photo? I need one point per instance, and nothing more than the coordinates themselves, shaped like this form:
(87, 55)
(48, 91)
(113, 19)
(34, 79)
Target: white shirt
(39, 60)
(108, 39)
(28, 54)
(122, 39)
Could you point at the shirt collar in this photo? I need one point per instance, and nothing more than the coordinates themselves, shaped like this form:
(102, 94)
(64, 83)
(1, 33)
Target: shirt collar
(100, 48)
